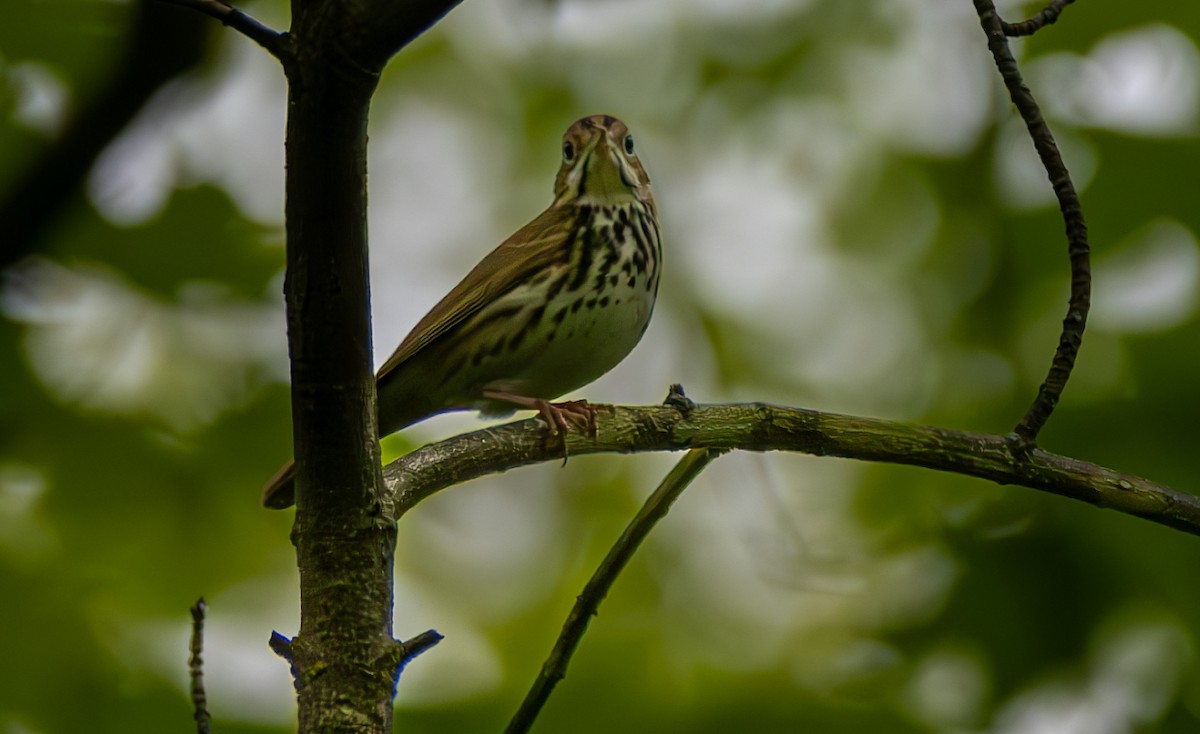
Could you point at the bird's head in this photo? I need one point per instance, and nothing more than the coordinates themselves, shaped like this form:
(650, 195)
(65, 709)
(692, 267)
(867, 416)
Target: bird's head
(600, 164)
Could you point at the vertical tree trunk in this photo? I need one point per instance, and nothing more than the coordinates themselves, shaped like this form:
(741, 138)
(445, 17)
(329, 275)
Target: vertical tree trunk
(345, 657)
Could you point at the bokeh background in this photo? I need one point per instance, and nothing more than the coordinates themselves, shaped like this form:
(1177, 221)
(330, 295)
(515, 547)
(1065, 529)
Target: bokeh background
(855, 221)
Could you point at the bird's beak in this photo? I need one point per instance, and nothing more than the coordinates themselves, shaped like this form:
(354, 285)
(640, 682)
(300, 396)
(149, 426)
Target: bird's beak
(606, 169)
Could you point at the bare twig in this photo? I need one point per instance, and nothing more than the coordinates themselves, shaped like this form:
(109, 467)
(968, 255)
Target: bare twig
(761, 427)
(654, 509)
(1046, 17)
(196, 670)
(1077, 240)
(273, 41)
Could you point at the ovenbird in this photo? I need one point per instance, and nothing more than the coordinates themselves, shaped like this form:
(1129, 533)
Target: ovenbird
(554, 307)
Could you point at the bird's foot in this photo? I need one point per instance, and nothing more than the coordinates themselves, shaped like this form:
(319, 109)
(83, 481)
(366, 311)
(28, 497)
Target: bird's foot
(558, 416)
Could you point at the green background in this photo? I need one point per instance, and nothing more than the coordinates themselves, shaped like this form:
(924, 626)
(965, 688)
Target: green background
(854, 221)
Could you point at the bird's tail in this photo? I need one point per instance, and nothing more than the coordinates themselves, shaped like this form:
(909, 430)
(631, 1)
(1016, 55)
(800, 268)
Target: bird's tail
(279, 493)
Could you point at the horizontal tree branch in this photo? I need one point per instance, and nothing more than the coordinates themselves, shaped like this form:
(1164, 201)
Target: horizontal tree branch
(763, 427)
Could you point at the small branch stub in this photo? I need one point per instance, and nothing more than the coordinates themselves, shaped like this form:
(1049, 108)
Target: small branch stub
(411, 648)
(679, 401)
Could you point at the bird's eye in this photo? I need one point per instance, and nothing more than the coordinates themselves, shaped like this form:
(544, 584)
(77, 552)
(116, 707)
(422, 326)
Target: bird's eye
(629, 144)
(568, 151)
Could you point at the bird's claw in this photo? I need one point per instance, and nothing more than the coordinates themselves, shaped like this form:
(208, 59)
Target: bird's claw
(559, 418)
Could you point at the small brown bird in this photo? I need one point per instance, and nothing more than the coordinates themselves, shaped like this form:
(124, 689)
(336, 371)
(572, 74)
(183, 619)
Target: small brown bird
(555, 306)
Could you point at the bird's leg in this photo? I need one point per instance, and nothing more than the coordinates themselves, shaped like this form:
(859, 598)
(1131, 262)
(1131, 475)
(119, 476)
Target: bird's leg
(558, 416)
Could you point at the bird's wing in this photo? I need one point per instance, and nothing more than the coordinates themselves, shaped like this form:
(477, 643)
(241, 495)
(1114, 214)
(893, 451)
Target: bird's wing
(529, 249)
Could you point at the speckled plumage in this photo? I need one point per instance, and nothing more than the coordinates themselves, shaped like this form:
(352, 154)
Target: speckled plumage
(555, 306)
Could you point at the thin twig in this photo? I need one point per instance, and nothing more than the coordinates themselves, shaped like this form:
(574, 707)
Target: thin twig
(761, 427)
(1077, 242)
(272, 40)
(196, 670)
(1047, 17)
(654, 509)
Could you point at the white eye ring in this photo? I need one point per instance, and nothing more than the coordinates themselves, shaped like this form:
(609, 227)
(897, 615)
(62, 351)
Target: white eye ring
(568, 151)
